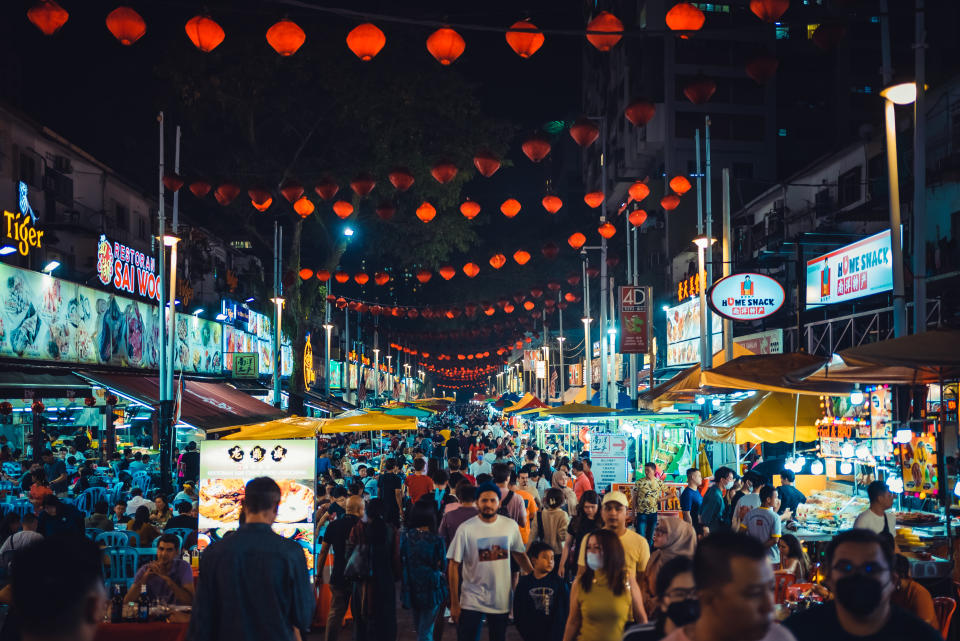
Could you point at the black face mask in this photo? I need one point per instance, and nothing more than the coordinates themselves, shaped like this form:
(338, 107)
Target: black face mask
(683, 612)
(859, 594)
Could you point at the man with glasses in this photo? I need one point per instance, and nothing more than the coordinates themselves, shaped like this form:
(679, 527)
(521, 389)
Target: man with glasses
(859, 574)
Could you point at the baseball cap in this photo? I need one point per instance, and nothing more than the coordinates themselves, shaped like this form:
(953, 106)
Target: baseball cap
(488, 487)
(615, 497)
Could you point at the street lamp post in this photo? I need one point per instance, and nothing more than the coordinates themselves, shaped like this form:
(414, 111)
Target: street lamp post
(329, 327)
(168, 426)
(376, 369)
(278, 301)
(702, 242)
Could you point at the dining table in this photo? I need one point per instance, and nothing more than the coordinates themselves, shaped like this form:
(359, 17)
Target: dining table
(152, 631)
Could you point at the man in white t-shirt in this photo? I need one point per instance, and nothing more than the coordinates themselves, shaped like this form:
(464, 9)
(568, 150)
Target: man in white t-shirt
(735, 585)
(480, 554)
(763, 523)
(750, 499)
(876, 517)
(20, 540)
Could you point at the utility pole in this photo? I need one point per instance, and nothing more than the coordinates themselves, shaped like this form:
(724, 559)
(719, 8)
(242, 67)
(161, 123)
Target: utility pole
(708, 251)
(604, 310)
(727, 265)
(920, 178)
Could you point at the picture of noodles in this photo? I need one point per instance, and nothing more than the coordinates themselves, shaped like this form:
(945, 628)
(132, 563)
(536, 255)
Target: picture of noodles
(221, 500)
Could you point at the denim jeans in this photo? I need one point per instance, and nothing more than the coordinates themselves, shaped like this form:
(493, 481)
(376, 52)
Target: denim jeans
(423, 620)
(646, 524)
(471, 622)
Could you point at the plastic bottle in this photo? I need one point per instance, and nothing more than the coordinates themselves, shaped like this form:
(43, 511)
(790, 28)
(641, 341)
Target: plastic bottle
(116, 605)
(143, 606)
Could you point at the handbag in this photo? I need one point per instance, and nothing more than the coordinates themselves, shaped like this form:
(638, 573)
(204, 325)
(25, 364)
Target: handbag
(359, 567)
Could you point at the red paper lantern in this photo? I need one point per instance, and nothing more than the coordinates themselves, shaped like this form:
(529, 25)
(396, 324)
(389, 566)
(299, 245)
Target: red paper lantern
(524, 38)
(204, 32)
(126, 25)
(762, 67)
(6, 408)
(306, 273)
(286, 37)
(447, 272)
(469, 209)
(510, 207)
(638, 191)
(341, 276)
(291, 190)
(637, 217)
(584, 132)
(366, 41)
(173, 182)
(536, 292)
(769, 10)
(570, 297)
(604, 31)
(323, 275)
(327, 188)
(536, 147)
(443, 172)
(498, 260)
(341, 303)
(700, 89)
(683, 16)
(363, 184)
(612, 261)
(640, 112)
(304, 207)
(607, 230)
(262, 206)
(489, 311)
(508, 309)
(471, 270)
(528, 305)
(342, 209)
(424, 275)
(553, 286)
(401, 178)
(258, 195)
(361, 278)
(446, 45)
(594, 199)
(550, 251)
(593, 272)
(552, 203)
(38, 407)
(426, 212)
(521, 256)
(47, 16)
(381, 278)
(486, 163)
(386, 210)
(827, 36)
(226, 193)
(680, 185)
(577, 240)
(89, 401)
(670, 202)
(199, 188)
(573, 278)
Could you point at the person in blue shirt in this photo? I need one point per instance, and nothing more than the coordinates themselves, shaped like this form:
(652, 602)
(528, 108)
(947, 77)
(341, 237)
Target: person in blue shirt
(691, 499)
(323, 463)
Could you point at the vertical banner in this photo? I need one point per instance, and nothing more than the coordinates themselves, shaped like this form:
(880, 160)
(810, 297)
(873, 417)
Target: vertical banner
(634, 334)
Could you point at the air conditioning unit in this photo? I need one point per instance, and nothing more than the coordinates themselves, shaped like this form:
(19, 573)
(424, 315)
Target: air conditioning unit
(62, 164)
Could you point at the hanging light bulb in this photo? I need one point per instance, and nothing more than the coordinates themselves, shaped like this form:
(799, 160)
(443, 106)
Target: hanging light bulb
(846, 467)
(895, 484)
(903, 436)
(816, 467)
(856, 396)
(847, 450)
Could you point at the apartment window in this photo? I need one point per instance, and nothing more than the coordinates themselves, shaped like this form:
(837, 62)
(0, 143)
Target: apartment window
(849, 186)
(122, 215)
(28, 170)
(810, 29)
(783, 32)
(742, 170)
(782, 132)
(143, 230)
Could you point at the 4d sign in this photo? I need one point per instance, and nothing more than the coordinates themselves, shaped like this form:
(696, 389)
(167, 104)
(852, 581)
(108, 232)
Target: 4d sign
(22, 226)
(746, 297)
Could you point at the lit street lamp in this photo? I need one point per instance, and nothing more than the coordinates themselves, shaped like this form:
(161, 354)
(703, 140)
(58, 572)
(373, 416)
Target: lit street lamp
(706, 352)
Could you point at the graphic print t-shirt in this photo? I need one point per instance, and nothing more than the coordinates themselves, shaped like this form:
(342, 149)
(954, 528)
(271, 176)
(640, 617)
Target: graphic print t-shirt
(484, 550)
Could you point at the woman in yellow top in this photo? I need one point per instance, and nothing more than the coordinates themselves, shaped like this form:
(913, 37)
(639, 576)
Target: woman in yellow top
(601, 599)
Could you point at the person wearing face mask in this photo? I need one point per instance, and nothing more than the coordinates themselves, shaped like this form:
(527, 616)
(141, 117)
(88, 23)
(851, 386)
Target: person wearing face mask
(673, 538)
(859, 572)
(713, 509)
(735, 589)
(604, 594)
(678, 604)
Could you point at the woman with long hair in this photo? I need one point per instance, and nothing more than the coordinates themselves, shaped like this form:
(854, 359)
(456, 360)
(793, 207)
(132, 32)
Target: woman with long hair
(585, 520)
(163, 513)
(546, 472)
(673, 537)
(603, 596)
(423, 559)
(140, 524)
(793, 558)
(374, 598)
(550, 523)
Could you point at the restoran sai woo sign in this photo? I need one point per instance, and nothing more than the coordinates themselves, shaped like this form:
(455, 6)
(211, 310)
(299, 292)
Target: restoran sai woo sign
(746, 297)
(127, 269)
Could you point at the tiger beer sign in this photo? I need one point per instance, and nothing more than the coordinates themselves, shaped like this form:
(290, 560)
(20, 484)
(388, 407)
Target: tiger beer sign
(634, 320)
(746, 297)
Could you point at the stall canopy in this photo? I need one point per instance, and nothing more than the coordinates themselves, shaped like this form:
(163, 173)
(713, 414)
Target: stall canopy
(685, 385)
(578, 409)
(575, 395)
(528, 402)
(929, 357)
(415, 412)
(369, 422)
(765, 417)
(773, 373)
(42, 382)
(287, 427)
(204, 405)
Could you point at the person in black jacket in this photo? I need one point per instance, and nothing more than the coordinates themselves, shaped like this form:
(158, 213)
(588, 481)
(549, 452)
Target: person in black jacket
(541, 599)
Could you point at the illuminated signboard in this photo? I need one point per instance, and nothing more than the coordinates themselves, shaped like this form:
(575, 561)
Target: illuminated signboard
(683, 333)
(235, 313)
(688, 287)
(22, 226)
(860, 269)
(746, 297)
(127, 269)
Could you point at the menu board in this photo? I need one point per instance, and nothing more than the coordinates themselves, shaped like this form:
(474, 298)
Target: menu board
(225, 468)
(919, 458)
(48, 319)
(683, 333)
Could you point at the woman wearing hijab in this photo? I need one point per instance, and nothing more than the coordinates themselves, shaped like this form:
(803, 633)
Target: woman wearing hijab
(559, 481)
(672, 537)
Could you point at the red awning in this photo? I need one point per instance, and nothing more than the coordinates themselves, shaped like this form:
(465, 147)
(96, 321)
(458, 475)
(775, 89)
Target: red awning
(205, 405)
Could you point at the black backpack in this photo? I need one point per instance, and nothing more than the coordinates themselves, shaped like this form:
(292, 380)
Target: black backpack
(504, 503)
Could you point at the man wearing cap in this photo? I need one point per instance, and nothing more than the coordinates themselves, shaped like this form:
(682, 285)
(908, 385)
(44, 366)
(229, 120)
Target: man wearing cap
(480, 554)
(636, 551)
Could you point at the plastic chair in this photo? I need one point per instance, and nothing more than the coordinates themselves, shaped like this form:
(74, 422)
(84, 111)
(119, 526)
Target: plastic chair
(122, 567)
(93, 532)
(782, 581)
(88, 498)
(120, 538)
(142, 480)
(944, 606)
(23, 508)
(12, 469)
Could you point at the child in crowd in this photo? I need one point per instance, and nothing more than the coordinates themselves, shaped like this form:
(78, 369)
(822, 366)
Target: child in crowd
(541, 598)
